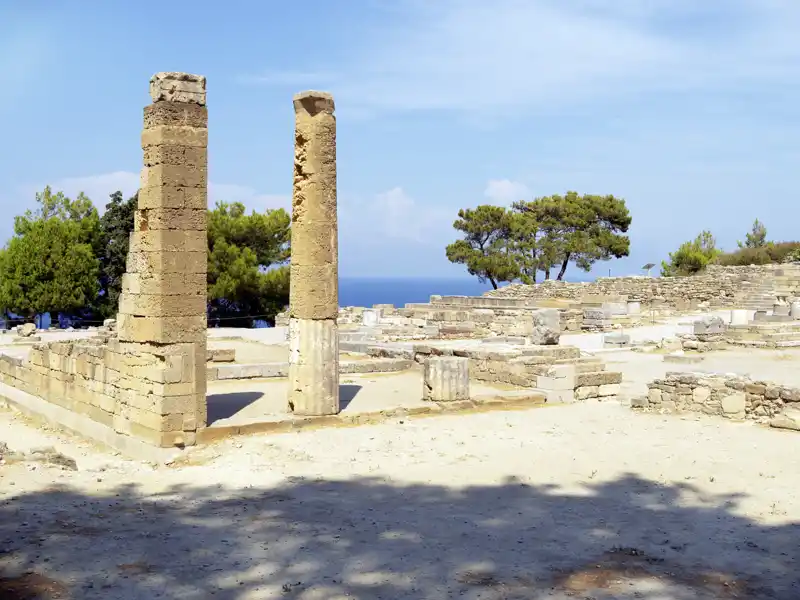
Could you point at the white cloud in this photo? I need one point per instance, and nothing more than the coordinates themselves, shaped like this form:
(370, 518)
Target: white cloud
(505, 191)
(394, 215)
(472, 55)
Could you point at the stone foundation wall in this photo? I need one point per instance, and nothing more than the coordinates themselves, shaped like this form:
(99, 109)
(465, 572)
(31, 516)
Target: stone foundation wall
(113, 383)
(718, 286)
(539, 368)
(732, 397)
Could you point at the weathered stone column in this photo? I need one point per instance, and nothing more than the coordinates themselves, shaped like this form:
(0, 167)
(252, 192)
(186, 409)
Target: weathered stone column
(314, 293)
(445, 379)
(162, 311)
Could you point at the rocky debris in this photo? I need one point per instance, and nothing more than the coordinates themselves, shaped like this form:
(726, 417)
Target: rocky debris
(46, 455)
(709, 325)
(616, 340)
(546, 329)
(26, 330)
(788, 419)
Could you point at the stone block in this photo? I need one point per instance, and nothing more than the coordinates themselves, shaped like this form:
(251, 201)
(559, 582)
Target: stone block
(169, 154)
(152, 305)
(178, 87)
(165, 284)
(586, 392)
(314, 292)
(175, 135)
(166, 241)
(184, 219)
(162, 330)
(445, 379)
(370, 317)
(734, 404)
(152, 263)
(187, 176)
(561, 377)
(789, 418)
(616, 340)
(546, 329)
(313, 366)
(709, 325)
(608, 389)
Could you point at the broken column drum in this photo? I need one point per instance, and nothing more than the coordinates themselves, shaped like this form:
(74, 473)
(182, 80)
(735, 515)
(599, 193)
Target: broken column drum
(445, 379)
(314, 287)
(162, 309)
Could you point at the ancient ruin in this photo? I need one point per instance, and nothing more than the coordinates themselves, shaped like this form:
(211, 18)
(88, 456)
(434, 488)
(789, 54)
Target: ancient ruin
(149, 383)
(159, 378)
(314, 295)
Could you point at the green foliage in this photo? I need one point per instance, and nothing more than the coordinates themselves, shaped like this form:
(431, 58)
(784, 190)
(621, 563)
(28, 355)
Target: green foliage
(580, 229)
(63, 254)
(769, 253)
(502, 245)
(244, 257)
(757, 238)
(485, 249)
(116, 225)
(692, 256)
(50, 264)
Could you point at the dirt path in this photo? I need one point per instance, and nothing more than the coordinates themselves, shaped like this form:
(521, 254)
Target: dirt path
(586, 501)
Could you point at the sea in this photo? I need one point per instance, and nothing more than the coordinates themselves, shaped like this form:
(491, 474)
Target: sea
(367, 291)
(358, 291)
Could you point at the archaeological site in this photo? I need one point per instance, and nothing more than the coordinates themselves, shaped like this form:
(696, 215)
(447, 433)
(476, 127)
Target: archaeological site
(551, 438)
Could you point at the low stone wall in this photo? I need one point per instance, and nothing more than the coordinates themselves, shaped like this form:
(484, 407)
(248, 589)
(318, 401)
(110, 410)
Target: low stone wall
(111, 383)
(717, 286)
(729, 396)
(558, 371)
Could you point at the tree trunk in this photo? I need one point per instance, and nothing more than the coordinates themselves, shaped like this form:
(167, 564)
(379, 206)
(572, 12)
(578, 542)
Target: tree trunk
(493, 282)
(563, 267)
(547, 273)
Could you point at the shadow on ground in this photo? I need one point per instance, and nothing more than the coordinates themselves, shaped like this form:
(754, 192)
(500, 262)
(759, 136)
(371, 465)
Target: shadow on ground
(630, 538)
(225, 405)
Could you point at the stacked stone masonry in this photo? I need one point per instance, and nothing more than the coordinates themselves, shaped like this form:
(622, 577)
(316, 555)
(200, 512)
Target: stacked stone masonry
(725, 395)
(150, 381)
(717, 286)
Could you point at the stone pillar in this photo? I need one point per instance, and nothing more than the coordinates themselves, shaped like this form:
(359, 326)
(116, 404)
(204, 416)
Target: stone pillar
(314, 291)
(162, 310)
(445, 379)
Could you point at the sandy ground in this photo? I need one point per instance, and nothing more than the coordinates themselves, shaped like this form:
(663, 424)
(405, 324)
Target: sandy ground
(587, 501)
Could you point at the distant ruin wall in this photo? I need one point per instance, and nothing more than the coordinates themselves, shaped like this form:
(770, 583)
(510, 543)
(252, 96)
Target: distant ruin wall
(729, 396)
(718, 286)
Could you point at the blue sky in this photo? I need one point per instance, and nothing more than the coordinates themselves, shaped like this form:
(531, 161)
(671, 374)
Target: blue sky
(688, 110)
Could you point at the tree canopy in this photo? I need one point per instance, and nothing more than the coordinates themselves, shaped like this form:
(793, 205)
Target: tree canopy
(247, 253)
(691, 256)
(50, 264)
(756, 237)
(501, 244)
(485, 250)
(116, 225)
(65, 258)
